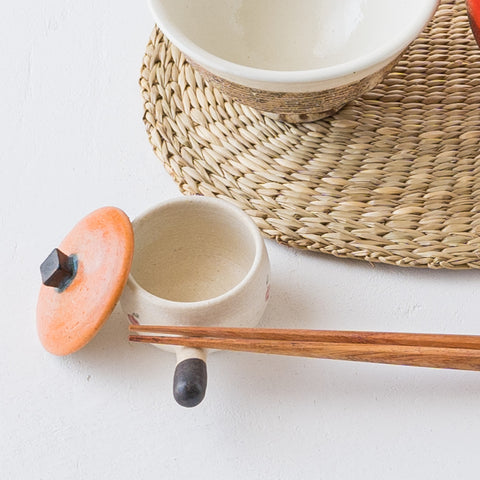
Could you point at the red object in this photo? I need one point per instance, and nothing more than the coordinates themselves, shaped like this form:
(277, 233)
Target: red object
(473, 9)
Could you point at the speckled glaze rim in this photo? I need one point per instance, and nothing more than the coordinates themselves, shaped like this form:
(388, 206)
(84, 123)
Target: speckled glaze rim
(393, 177)
(210, 205)
(382, 53)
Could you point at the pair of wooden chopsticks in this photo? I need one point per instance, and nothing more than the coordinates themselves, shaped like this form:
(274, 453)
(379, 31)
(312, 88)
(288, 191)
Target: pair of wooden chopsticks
(460, 352)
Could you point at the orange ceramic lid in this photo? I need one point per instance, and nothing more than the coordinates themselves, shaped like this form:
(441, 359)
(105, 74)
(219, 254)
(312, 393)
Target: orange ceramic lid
(99, 251)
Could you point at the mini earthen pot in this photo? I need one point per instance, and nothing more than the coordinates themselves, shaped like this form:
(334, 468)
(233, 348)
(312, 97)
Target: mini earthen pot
(297, 60)
(195, 261)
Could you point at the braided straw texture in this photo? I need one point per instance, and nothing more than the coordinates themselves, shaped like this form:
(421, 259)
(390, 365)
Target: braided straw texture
(394, 177)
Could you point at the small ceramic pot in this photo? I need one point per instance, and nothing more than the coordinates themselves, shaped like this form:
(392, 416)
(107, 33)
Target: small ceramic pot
(197, 261)
(294, 61)
(188, 261)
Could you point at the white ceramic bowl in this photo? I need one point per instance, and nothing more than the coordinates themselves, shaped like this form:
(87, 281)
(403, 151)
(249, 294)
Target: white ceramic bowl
(249, 48)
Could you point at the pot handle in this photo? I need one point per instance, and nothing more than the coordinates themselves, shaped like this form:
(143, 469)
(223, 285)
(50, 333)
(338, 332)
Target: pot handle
(190, 377)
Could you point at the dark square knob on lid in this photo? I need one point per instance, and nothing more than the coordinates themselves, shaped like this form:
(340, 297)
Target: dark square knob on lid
(57, 269)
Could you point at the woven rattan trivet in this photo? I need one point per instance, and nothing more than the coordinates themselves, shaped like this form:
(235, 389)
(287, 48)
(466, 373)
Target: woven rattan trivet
(394, 177)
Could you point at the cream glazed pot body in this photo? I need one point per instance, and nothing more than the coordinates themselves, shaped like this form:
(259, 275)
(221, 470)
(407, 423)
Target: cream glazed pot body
(197, 261)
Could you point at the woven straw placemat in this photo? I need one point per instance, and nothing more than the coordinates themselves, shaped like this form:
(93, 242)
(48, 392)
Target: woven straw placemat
(394, 177)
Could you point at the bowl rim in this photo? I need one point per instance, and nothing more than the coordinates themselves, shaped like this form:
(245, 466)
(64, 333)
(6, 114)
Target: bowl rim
(424, 13)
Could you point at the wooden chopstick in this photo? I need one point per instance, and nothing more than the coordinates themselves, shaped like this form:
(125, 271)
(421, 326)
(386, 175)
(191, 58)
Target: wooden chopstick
(333, 336)
(422, 356)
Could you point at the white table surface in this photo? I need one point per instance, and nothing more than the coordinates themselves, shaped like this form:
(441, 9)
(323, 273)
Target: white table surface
(73, 140)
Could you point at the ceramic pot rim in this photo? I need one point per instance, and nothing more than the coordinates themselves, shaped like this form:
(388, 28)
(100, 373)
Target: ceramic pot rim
(249, 227)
